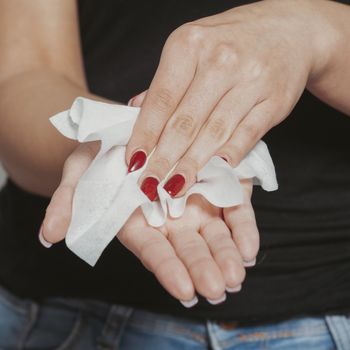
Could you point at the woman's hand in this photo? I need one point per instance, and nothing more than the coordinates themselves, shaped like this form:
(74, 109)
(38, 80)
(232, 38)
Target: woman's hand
(195, 253)
(222, 83)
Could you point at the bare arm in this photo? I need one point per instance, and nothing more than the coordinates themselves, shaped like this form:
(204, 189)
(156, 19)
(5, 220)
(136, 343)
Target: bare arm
(331, 82)
(41, 73)
(245, 70)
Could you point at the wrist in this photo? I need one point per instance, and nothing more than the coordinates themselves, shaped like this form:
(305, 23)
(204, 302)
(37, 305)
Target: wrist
(316, 28)
(328, 39)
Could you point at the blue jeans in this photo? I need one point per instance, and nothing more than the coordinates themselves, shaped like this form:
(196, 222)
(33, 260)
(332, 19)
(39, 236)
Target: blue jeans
(83, 325)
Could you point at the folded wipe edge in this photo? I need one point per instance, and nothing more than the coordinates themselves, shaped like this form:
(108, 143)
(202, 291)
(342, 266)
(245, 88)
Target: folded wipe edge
(112, 124)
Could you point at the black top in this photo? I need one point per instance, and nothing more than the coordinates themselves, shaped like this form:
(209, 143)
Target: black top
(304, 263)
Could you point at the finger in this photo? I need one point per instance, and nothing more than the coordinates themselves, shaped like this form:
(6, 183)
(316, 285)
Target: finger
(225, 253)
(185, 123)
(241, 221)
(191, 248)
(157, 255)
(170, 83)
(249, 131)
(232, 108)
(58, 213)
(137, 100)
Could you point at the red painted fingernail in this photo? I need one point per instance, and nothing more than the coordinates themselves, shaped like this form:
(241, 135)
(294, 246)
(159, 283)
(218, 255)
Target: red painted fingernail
(149, 188)
(137, 161)
(174, 185)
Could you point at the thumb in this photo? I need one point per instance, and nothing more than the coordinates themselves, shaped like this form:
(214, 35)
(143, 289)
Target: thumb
(137, 100)
(59, 211)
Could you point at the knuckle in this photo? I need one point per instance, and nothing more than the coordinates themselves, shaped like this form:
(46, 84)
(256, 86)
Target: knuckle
(199, 264)
(187, 249)
(147, 249)
(184, 124)
(148, 135)
(160, 163)
(165, 264)
(256, 70)
(191, 34)
(189, 246)
(189, 162)
(162, 100)
(224, 55)
(218, 128)
(219, 241)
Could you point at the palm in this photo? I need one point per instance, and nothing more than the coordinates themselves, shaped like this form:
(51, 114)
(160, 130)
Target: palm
(192, 253)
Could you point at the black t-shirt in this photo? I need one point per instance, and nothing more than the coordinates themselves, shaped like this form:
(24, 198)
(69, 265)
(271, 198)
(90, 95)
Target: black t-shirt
(304, 262)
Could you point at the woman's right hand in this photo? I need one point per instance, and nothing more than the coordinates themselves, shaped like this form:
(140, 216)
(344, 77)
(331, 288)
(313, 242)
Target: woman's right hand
(195, 253)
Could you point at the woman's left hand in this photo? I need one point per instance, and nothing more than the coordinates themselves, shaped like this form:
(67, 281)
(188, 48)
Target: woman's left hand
(222, 83)
(197, 252)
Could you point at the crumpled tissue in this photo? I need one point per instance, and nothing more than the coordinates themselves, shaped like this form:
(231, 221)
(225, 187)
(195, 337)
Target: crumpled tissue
(106, 195)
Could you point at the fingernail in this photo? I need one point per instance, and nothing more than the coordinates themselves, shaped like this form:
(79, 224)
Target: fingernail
(149, 188)
(249, 263)
(234, 290)
(174, 185)
(189, 303)
(131, 101)
(137, 161)
(217, 301)
(42, 240)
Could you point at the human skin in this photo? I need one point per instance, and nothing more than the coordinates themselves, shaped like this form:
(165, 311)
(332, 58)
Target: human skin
(36, 82)
(244, 71)
(40, 75)
(197, 253)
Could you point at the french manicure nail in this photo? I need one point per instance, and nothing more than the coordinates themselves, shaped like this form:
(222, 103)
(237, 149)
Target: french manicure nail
(249, 263)
(149, 188)
(131, 101)
(174, 185)
(189, 303)
(234, 290)
(42, 240)
(217, 301)
(137, 161)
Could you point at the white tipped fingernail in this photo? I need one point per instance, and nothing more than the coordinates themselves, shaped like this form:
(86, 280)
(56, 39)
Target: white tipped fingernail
(42, 240)
(234, 290)
(189, 303)
(217, 301)
(131, 101)
(249, 263)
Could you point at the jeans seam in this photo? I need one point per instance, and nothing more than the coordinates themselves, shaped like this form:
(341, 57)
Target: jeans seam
(173, 332)
(33, 311)
(9, 300)
(335, 325)
(270, 335)
(73, 334)
(114, 328)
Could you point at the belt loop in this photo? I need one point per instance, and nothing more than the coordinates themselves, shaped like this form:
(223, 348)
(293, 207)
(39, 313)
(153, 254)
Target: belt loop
(339, 327)
(113, 330)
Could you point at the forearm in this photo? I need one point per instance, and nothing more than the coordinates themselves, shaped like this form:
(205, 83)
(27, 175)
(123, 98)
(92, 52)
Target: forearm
(31, 150)
(331, 79)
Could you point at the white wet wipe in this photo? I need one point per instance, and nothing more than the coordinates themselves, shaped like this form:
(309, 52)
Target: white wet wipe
(107, 195)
